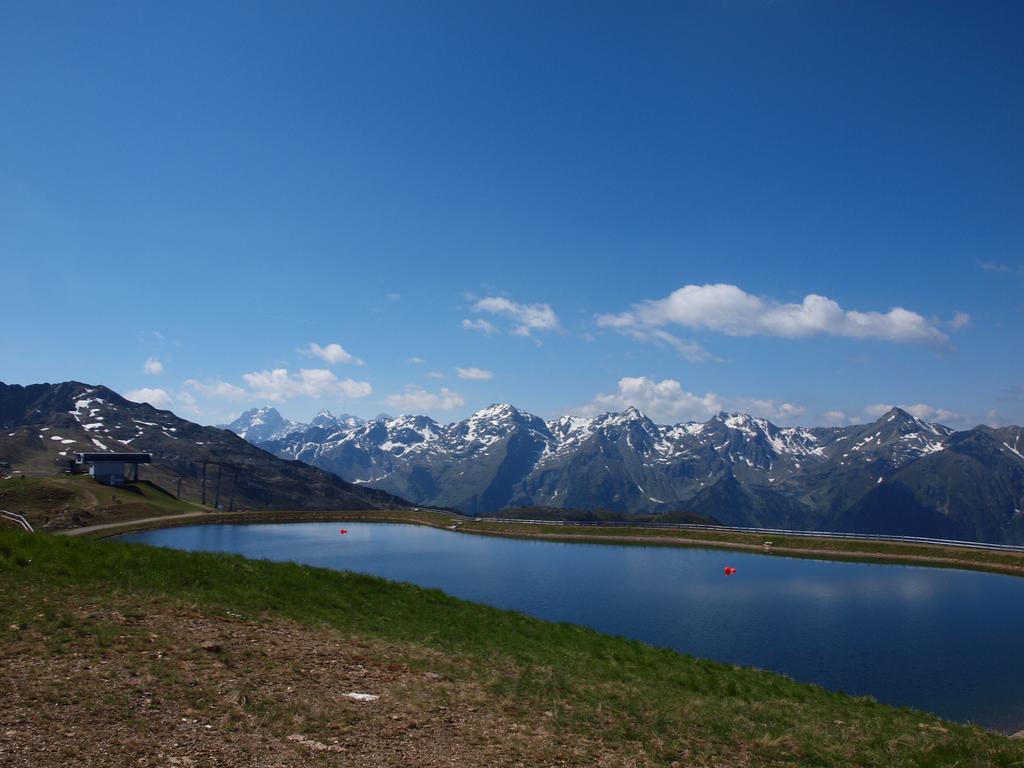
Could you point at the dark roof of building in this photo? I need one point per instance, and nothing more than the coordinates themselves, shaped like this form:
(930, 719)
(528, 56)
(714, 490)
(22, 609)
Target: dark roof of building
(123, 458)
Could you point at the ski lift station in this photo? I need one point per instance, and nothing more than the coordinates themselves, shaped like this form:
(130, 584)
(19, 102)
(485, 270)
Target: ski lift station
(112, 468)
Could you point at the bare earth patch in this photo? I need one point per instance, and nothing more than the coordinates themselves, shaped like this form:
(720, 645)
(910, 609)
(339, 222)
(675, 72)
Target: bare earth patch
(162, 684)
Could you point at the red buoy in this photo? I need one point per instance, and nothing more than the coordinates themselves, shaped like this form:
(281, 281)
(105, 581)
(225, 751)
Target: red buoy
(342, 531)
(729, 571)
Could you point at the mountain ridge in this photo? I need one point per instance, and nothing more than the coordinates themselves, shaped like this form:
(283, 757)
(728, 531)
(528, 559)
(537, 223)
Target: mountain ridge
(734, 467)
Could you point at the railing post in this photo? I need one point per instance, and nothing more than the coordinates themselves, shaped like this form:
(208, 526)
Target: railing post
(16, 518)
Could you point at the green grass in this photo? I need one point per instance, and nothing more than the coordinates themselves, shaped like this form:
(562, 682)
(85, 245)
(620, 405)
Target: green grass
(31, 494)
(80, 500)
(675, 707)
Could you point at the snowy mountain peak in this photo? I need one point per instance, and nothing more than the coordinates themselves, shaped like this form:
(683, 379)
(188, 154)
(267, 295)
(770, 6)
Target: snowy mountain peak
(899, 421)
(738, 420)
(327, 420)
(496, 411)
(324, 419)
(896, 413)
(567, 424)
(631, 418)
(413, 422)
(261, 424)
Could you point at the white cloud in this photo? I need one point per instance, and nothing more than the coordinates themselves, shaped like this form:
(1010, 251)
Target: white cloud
(417, 360)
(922, 411)
(664, 400)
(217, 388)
(187, 403)
(994, 419)
(278, 384)
(417, 400)
(393, 296)
(153, 366)
(475, 374)
(480, 325)
(960, 320)
(878, 410)
(836, 418)
(528, 317)
(727, 309)
(931, 413)
(779, 413)
(688, 350)
(158, 398)
(332, 354)
(436, 375)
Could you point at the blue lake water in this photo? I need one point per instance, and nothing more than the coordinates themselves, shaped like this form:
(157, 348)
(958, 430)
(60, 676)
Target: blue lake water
(947, 641)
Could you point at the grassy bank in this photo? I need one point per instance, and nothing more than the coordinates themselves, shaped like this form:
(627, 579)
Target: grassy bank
(447, 670)
(786, 546)
(56, 503)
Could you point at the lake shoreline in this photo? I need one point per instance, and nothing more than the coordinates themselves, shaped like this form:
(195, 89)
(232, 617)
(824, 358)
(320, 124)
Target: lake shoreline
(810, 553)
(1008, 564)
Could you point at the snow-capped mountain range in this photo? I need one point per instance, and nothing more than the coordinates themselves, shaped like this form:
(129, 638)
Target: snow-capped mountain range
(891, 475)
(262, 424)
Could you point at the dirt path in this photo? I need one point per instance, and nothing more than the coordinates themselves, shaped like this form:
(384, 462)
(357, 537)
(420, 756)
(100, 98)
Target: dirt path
(123, 523)
(202, 516)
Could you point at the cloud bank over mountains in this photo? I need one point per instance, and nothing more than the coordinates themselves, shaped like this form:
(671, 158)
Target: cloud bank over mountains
(278, 384)
(667, 401)
(719, 308)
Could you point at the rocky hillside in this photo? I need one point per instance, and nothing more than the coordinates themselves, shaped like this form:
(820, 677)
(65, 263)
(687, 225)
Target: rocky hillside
(42, 426)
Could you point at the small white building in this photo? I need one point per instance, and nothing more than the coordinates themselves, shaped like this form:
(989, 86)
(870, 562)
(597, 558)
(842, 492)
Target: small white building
(111, 468)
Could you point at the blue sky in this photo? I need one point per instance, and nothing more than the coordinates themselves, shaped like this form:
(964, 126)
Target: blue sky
(806, 210)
